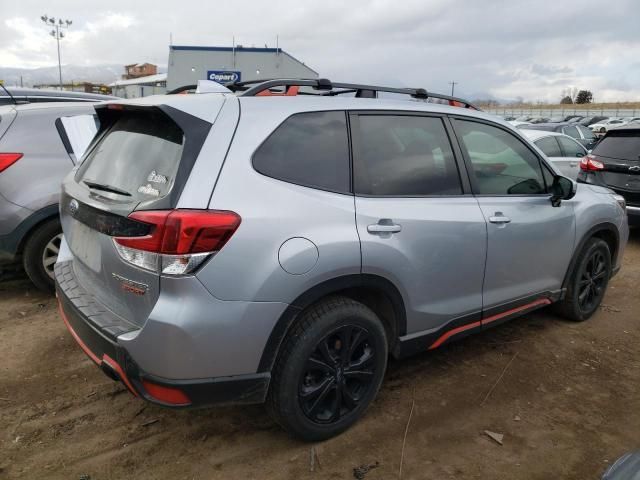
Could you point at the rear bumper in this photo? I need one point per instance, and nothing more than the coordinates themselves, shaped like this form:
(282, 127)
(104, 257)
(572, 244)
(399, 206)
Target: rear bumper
(633, 213)
(102, 347)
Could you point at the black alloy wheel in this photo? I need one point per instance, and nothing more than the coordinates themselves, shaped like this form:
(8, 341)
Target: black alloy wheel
(329, 369)
(338, 374)
(593, 281)
(588, 281)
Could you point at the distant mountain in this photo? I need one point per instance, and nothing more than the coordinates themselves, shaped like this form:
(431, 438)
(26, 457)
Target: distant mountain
(75, 73)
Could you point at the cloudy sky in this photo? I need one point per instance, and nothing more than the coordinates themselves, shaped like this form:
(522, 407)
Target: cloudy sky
(507, 49)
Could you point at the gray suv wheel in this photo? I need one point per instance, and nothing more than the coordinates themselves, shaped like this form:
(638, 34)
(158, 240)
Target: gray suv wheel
(41, 252)
(330, 369)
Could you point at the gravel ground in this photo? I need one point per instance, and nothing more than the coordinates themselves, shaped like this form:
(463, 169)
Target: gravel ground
(568, 405)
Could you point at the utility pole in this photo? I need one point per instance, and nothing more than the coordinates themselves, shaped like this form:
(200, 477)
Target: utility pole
(453, 86)
(58, 34)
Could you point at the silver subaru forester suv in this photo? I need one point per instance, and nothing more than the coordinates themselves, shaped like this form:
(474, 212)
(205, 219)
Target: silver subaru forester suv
(262, 246)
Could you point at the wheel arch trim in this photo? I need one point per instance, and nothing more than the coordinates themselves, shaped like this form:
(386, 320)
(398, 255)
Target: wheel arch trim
(600, 227)
(14, 242)
(323, 289)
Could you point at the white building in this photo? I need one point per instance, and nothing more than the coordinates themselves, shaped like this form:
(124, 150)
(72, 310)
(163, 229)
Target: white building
(140, 87)
(188, 64)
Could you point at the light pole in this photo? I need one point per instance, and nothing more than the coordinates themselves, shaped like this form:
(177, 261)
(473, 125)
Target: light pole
(58, 34)
(453, 86)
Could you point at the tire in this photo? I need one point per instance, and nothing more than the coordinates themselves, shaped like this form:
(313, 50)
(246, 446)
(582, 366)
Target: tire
(588, 282)
(42, 246)
(308, 379)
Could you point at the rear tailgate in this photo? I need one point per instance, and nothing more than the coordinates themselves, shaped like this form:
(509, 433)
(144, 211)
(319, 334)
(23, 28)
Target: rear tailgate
(619, 151)
(140, 159)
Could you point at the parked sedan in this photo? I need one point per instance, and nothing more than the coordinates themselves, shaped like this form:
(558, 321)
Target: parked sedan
(604, 125)
(39, 144)
(587, 121)
(582, 135)
(563, 151)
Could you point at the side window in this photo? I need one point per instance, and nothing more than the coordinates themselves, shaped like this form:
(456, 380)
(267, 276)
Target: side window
(587, 133)
(549, 146)
(571, 131)
(571, 148)
(310, 149)
(404, 155)
(501, 163)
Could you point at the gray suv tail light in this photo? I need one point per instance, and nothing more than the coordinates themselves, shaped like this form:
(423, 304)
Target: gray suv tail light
(179, 241)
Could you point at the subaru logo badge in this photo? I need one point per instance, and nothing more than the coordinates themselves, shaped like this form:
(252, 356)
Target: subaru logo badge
(635, 168)
(73, 206)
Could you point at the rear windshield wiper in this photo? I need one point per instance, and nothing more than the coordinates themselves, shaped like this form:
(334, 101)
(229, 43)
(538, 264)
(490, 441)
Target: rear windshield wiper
(106, 188)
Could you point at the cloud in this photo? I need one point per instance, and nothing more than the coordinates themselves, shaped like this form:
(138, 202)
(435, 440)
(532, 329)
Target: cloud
(504, 48)
(538, 69)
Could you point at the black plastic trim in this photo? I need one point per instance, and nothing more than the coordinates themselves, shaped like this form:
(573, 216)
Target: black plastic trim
(11, 244)
(321, 290)
(421, 343)
(64, 137)
(103, 221)
(475, 323)
(605, 226)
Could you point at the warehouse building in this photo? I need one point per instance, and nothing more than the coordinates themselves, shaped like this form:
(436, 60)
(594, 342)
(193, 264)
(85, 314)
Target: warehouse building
(188, 64)
(140, 86)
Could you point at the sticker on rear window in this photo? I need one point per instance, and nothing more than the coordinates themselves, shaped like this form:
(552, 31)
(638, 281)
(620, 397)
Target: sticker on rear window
(149, 190)
(156, 178)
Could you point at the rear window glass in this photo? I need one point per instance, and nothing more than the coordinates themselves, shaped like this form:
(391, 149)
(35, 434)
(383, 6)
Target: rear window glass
(625, 146)
(139, 156)
(309, 149)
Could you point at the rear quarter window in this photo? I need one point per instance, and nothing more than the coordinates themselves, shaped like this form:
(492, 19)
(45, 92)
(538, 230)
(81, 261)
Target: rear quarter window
(621, 145)
(309, 149)
(139, 154)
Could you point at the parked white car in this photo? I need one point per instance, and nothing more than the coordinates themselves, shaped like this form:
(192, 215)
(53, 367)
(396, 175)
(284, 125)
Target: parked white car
(604, 125)
(517, 123)
(563, 151)
(628, 121)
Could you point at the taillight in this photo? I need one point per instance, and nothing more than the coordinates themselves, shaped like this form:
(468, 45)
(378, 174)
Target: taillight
(179, 240)
(590, 164)
(8, 159)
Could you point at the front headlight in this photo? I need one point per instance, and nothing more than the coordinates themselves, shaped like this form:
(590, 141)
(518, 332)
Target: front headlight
(621, 201)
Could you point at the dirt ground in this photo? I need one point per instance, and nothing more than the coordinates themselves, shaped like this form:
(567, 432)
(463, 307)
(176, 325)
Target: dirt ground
(568, 405)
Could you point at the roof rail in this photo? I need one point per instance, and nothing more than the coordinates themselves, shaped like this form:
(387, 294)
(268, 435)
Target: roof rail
(326, 87)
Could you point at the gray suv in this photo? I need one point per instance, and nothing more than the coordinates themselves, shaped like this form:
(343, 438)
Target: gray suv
(39, 144)
(266, 246)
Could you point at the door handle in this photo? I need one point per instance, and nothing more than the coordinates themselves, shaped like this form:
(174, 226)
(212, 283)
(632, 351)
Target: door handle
(384, 227)
(499, 218)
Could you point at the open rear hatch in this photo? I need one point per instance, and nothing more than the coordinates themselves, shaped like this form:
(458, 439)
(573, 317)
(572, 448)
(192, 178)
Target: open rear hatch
(138, 162)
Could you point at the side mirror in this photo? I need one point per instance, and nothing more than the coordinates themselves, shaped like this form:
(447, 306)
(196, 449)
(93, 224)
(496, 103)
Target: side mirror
(580, 155)
(562, 189)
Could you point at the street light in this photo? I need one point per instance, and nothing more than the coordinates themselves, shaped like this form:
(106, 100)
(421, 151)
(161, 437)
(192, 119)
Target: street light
(57, 33)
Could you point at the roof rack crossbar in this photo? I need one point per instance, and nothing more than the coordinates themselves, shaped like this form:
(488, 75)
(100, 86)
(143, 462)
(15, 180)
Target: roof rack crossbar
(252, 88)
